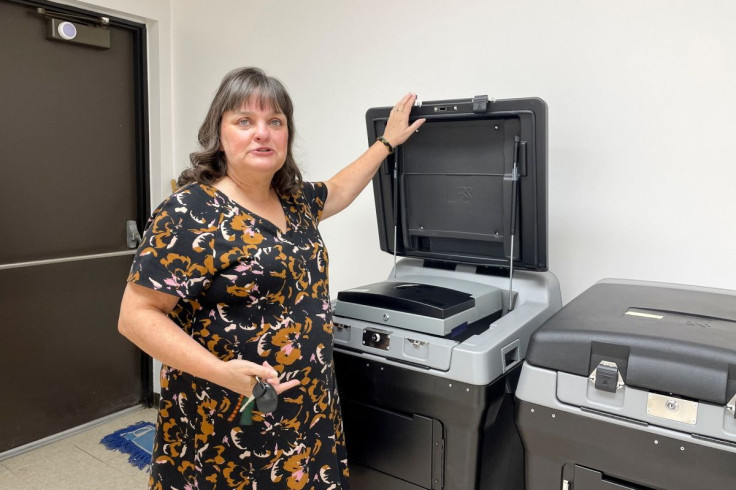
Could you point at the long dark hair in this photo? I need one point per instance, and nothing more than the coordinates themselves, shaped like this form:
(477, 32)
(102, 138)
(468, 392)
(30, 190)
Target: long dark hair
(209, 164)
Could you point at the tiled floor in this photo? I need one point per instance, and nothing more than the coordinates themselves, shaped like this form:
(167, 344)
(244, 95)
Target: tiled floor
(78, 462)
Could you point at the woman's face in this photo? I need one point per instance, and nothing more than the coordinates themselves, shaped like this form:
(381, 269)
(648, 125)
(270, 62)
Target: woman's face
(254, 138)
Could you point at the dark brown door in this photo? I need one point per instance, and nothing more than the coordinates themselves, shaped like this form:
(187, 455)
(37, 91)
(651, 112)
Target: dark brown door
(72, 173)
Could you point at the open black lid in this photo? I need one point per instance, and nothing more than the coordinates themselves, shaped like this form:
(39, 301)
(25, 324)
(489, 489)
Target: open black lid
(457, 197)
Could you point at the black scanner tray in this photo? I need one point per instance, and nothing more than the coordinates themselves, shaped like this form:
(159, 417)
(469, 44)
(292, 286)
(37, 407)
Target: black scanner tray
(450, 189)
(408, 297)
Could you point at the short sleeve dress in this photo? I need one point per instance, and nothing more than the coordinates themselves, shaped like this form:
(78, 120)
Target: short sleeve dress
(247, 291)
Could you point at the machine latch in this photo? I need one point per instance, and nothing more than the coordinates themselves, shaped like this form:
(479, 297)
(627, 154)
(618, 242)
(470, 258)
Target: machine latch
(607, 377)
(480, 104)
(731, 406)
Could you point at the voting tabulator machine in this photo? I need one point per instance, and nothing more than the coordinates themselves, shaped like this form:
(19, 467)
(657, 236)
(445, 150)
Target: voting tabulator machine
(427, 360)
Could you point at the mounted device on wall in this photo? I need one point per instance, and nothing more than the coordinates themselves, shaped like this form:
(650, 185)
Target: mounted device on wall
(77, 29)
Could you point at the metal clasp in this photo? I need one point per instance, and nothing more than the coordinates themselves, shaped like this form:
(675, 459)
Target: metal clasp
(607, 377)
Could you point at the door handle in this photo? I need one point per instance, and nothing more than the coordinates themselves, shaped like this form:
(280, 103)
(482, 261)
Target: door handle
(132, 235)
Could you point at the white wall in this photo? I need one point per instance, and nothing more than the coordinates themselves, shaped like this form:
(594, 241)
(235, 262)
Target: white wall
(641, 99)
(639, 93)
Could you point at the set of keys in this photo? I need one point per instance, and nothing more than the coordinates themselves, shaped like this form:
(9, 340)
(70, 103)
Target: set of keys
(264, 397)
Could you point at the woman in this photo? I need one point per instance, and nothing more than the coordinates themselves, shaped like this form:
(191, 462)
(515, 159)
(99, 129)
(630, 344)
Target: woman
(230, 283)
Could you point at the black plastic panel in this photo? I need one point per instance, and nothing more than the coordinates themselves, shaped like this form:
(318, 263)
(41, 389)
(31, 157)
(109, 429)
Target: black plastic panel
(482, 448)
(392, 443)
(457, 201)
(451, 179)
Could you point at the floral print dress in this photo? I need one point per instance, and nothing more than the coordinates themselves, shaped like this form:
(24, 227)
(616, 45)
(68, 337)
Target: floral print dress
(249, 291)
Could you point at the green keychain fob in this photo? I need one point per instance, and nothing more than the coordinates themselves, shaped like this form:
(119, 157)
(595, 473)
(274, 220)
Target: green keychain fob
(246, 415)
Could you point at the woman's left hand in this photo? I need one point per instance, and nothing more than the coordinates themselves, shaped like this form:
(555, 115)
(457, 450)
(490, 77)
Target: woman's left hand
(398, 129)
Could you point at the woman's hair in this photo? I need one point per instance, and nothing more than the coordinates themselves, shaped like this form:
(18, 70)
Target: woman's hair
(209, 164)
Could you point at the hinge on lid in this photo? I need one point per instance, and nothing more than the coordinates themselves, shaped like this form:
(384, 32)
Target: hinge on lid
(731, 406)
(480, 104)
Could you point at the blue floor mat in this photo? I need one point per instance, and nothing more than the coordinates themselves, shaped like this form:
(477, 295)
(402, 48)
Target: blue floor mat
(135, 440)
